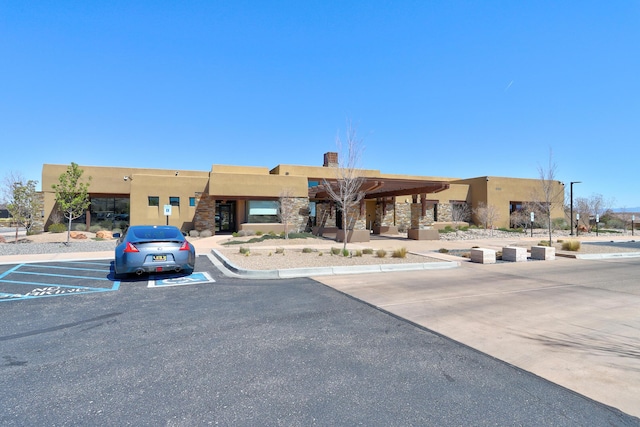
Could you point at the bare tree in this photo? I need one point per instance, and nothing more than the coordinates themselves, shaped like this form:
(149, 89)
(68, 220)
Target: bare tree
(346, 189)
(487, 215)
(550, 195)
(286, 210)
(460, 212)
(593, 207)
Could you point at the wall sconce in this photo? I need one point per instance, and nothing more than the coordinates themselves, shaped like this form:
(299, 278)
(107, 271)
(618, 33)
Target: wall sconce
(177, 173)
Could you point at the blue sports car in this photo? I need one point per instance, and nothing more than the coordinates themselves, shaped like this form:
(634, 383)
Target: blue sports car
(153, 249)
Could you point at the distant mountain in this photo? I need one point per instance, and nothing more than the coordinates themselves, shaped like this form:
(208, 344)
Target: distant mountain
(626, 210)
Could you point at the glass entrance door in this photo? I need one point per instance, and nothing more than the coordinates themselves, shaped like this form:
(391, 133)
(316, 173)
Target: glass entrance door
(225, 217)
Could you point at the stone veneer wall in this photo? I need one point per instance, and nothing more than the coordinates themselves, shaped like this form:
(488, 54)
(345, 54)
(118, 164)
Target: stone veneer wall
(301, 208)
(403, 216)
(356, 221)
(419, 222)
(205, 216)
(384, 218)
(321, 208)
(445, 212)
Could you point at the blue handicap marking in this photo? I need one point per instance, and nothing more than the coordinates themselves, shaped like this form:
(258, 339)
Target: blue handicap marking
(192, 279)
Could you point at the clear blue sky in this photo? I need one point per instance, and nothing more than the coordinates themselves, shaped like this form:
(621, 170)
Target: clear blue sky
(436, 88)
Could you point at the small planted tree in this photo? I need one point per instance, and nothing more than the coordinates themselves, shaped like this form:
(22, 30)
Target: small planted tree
(550, 194)
(72, 195)
(460, 212)
(487, 215)
(346, 189)
(23, 202)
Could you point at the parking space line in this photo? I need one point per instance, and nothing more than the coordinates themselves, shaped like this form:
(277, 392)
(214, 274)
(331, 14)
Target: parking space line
(67, 268)
(16, 282)
(42, 290)
(60, 275)
(11, 270)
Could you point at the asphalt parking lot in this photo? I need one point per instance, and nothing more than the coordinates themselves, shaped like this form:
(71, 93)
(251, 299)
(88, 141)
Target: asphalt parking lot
(245, 352)
(69, 278)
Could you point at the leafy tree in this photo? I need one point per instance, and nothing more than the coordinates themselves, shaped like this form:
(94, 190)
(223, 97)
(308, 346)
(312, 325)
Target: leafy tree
(23, 204)
(72, 195)
(346, 189)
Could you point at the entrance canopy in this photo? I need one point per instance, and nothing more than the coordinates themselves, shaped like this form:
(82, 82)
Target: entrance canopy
(380, 187)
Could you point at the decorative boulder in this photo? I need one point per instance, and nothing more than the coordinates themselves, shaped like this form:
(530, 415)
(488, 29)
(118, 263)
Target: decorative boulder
(104, 234)
(77, 235)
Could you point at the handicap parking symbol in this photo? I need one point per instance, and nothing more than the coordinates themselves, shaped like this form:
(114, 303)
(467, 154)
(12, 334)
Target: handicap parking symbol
(192, 279)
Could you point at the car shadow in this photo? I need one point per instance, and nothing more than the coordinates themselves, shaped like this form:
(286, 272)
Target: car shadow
(143, 277)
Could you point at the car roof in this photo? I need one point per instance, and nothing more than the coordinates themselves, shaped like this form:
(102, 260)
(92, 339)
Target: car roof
(153, 232)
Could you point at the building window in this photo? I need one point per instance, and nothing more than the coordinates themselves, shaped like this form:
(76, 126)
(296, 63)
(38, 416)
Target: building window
(262, 211)
(154, 201)
(174, 201)
(192, 201)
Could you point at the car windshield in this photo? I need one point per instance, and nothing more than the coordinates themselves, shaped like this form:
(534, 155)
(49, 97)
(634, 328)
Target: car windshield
(152, 233)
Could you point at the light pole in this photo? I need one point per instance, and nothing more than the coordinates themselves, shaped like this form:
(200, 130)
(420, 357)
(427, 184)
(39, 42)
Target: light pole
(571, 203)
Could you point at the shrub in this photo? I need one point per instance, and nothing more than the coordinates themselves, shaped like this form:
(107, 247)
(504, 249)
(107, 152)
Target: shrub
(273, 233)
(571, 245)
(244, 251)
(95, 228)
(206, 233)
(57, 228)
(307, 250)
(357, 253)
(335, 251)
(345, 252)
(194, 233)
(559, 224)
(280, 251)
(543, 243)
(259, 233)
(400, 253)
(106, 225)
(320, 254)
(367, 251)
(80, 227)
(443, 250)
(234, 234)
(381, 253)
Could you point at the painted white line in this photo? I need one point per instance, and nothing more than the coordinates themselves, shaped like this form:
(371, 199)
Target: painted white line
(192, 279)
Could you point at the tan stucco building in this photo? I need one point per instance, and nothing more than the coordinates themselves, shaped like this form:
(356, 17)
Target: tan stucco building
(233, 198)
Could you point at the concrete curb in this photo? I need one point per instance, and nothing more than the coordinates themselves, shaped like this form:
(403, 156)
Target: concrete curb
(608, 256)
(232, 270)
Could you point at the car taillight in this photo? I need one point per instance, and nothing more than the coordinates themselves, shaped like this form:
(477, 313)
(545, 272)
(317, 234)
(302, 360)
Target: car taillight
(131, 248)
(185, 246)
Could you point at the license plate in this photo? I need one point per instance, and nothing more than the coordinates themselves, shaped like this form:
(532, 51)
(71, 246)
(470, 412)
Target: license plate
(157, 258)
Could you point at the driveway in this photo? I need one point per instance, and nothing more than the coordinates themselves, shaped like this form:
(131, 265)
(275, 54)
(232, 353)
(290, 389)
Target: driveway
(245, 352)
(573, 322)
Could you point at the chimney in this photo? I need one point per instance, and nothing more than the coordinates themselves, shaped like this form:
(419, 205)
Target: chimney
(330, 160)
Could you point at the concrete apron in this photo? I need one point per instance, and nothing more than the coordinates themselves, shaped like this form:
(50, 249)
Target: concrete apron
(552, 330)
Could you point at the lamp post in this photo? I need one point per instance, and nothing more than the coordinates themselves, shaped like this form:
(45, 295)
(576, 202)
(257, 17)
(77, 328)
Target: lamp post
(571, 203)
